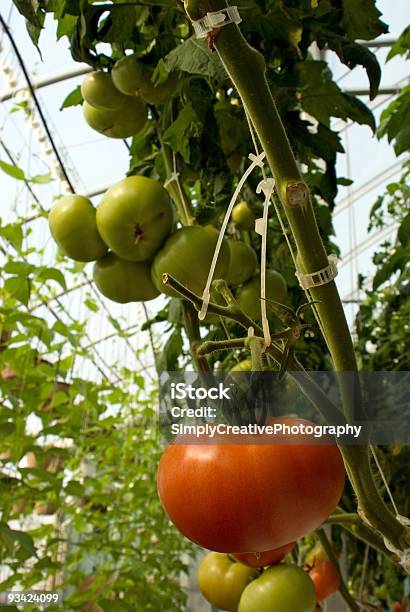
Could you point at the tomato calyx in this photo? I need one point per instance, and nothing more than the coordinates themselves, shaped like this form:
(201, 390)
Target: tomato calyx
(138, 233)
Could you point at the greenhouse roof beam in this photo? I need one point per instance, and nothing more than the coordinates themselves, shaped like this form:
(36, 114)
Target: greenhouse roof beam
(45, 82)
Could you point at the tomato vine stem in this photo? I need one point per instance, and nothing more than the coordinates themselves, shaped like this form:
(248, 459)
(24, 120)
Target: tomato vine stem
(174, 187)
(194, 336)
(352, 523)
(343, 590)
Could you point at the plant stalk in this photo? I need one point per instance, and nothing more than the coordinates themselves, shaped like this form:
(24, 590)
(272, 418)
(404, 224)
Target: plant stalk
(352, 523)
(343, 590)
(194, 336)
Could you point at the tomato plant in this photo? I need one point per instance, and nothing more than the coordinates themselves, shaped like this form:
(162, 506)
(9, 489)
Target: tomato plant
(281, 588)
(243, 263)
(98, 90)
(249, 296)
(134, 218)
(124, 281)
(243, 216)
(131, 77)
(278, 98)
(221, 580)
(196, 246)
(116, 123)
(257, 507)
(73, 227)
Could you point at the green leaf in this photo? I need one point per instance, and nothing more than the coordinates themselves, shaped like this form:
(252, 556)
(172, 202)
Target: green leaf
(404, 230)
(13, 171)
(18, 288)
(168, 361)
(20, 268)
(118, 25)
(401, 46)
(42, 179)
(52, 274)
(395, 121)
(322, 98)
(11, 536)
(395, 262)
(66, 25)
(194, 57)
(175, 312)
(28, 8)
(186, 126)
(344, 181)
(47, 563)
(91, 305)
(34, 31)
(352, 54)
(361, 20)
(74, 98)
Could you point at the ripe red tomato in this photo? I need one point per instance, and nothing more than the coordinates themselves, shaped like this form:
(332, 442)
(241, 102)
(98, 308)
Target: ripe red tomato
(399, 606)
(325, 577)
(269, 557)
(251, 496)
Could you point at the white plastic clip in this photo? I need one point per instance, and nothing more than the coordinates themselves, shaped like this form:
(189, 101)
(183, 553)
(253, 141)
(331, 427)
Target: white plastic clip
(257, 160)
(261, 227)
(403, 555)
(172, 177)
(319, 278)
(216, 19)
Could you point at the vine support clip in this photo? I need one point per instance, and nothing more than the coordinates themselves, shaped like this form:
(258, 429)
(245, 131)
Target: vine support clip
(216, 19)
(319, 278)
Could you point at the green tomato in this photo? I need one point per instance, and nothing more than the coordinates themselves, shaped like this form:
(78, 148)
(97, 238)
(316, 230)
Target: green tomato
(124, 281)
(243, 263)
(222, 580)
(73, 227)
(131, 77)
(248, 296)
(99, 90)
(119, 123)
(128, 75)
(243, 217)
(134, 217)
(243, 366)
(187, 256)
(158, 94)
(281, 588)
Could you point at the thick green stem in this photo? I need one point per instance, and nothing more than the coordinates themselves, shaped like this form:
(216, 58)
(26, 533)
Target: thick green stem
(212, 346)
(371, 506)
(352, 523)
(255, 346)
(194, 336)
(174, 187)
(246, 68)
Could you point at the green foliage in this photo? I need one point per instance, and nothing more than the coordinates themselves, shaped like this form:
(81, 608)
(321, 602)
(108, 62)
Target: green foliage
(91, 457)
(382, 321)
(74, 98)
